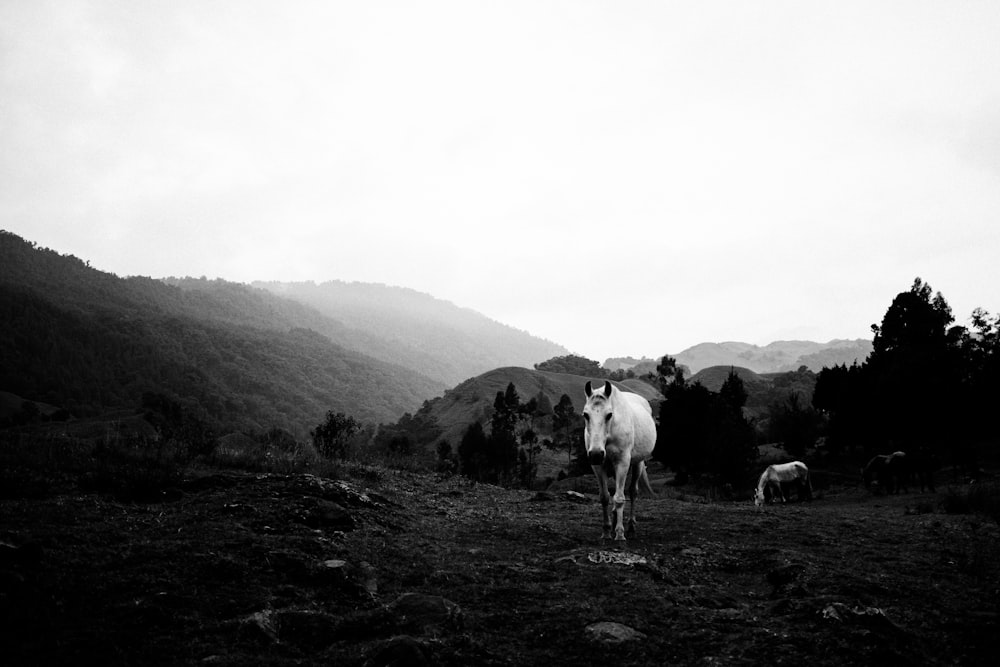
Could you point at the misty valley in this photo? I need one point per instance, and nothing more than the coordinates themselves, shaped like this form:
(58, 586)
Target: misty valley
(201, 471)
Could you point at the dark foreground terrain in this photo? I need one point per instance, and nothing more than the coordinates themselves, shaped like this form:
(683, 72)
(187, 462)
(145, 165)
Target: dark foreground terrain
(239, 568)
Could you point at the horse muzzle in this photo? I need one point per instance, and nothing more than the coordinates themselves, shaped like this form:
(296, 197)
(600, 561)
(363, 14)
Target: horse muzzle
(596, 457)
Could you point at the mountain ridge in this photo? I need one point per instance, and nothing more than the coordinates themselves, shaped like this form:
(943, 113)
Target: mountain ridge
(434, 337)
(775, 357)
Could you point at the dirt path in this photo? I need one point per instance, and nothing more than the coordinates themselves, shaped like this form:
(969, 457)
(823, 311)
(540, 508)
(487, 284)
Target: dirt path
(268, 569)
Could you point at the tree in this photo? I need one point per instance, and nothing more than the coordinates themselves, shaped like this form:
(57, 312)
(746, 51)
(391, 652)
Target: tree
(331, 437)
(528, 466)
(733, 446)
(412, 433)
(794, 425)
(543, 404)
(447, 463)
(916, 368)
(666, 372)
(503, 441)
(574, 365)
(564, 417)
(928, 386)
(704, 434)
(472, 453)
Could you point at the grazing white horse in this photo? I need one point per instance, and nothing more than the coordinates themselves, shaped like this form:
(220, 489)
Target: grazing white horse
(783, 473)
(619, 434)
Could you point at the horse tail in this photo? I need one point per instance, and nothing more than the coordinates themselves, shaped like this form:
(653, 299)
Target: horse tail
(644, 480)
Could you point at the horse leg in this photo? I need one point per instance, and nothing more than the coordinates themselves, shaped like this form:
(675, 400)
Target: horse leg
(602, 483)
(633, 491)
(621, 472)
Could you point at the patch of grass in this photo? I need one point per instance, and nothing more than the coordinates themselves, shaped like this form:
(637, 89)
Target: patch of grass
(922, 507)
(135, 470)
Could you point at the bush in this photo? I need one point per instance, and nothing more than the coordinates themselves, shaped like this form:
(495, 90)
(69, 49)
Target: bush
(983, 498)
(270, 452)
(134, 470)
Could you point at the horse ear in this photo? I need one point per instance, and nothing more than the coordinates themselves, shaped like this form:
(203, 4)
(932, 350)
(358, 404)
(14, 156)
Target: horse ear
(607, 388)
(588, 389)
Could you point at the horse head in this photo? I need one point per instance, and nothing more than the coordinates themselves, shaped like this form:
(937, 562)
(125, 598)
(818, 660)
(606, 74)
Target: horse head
(597, 416)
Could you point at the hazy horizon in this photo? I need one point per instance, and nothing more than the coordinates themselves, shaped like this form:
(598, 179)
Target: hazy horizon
(620, 179)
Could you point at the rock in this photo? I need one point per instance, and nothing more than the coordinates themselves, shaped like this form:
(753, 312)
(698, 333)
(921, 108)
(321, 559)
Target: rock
(402, 651)
(366, 576)
(608, 632)
(582, 483)
(306, 628)
(421, 613)
(328, 514)
(258, 628)
(869, 618)
(345, 576)
(785, 574)
(333, 572)
(292, 566)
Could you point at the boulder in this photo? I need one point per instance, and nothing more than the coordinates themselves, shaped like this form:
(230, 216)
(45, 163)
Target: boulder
(608, 632)
(399, 651)
(328, 515)
(420, 613)
(308, 629)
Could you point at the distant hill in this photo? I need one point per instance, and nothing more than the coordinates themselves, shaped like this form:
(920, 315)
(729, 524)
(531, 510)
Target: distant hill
(86, 340)
(775, 357)
(472, 400)
(402, 326)
(763, 389)
(714, 377)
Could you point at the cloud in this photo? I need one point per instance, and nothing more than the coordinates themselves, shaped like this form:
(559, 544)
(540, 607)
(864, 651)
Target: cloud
(734, 170)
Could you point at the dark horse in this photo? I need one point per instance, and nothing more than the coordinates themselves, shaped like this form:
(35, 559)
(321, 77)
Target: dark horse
(894, 472)
(887, 472)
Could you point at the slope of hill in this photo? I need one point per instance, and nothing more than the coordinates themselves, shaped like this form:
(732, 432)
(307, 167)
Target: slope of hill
(472, 400)
(434, 337)
(764, 391)
(777, 356)
(240, 357)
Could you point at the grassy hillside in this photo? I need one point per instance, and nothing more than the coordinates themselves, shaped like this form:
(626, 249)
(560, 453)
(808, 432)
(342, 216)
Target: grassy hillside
(763, 390)
(435, 338)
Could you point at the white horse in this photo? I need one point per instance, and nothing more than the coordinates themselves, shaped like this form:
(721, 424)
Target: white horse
(775, 476)
(619, 434)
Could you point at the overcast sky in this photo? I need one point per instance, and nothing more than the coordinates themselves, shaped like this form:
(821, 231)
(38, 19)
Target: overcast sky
(622, 178)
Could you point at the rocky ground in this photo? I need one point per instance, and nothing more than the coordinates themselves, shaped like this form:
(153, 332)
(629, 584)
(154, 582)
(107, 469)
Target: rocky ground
(237, 568)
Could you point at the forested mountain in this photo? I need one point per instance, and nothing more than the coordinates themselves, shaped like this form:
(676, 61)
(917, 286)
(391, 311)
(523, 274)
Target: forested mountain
(238, 357)
(431, 336)
(472, 400)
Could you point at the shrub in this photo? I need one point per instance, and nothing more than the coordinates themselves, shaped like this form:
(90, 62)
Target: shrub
(133, 469)
(983, 498)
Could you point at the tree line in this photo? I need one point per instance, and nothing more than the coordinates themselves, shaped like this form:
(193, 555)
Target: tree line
(927, 386)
